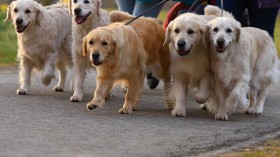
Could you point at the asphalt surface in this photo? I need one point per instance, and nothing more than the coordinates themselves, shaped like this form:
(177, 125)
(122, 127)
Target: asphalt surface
(45, 123)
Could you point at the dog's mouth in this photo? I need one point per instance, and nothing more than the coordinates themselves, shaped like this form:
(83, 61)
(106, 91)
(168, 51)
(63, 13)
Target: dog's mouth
(220, 49)
(81, 19)
(21, 29)
(184, 52)
(96, 63)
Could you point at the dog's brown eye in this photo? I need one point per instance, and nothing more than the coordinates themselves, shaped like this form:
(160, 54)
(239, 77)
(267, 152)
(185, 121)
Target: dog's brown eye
(104, 43)
(86, 1)
(90, 42)
(215, 29)
(27, 11)
(177, 30)
(190, 31)
(15, 10)
(228, 30)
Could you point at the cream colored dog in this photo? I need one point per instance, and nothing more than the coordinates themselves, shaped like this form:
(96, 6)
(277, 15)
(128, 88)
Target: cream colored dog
(44, 40)
(244, 61)
(117, 54)
(86, 15)
(190, 64)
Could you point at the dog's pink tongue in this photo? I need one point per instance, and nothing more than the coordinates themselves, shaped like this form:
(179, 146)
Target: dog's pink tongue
(79, 19)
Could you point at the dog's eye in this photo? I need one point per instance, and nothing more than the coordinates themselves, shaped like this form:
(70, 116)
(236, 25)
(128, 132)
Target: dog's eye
(177, 30)
(27, 11)
(104, 43)
(91, 42)
(228, 30)
(86, 1)
(75, 1)
(15, 10)
(190, 31)
(215, 29)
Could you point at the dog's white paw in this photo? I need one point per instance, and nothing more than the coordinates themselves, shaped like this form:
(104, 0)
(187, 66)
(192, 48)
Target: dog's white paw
(47, 79)
(58, 88)
(221, 116)
(76, 98)
(178, 113)
(21, 92)
(125, 110)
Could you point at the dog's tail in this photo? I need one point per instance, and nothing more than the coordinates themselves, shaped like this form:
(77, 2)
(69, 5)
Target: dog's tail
(216, 11)
(120, 16)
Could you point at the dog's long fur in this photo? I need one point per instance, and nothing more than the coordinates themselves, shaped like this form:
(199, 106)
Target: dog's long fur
(152, 36)
(118, 55)
(93, 17)
(244, 62)
(190, 64)
(44, 41)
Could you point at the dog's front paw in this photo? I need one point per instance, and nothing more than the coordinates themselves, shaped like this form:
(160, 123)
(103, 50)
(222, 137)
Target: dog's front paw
(91, 106)
(249, 111)
(21, 92)
(125, 110)
(178, 113)
(58, 88)
(221, 116)
(76, 98)
(47, 79)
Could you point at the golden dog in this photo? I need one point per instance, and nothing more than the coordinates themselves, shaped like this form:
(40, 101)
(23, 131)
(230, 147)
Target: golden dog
(117, 53)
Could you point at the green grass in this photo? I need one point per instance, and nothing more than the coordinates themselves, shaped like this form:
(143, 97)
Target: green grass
(8, 39)
(8, 42)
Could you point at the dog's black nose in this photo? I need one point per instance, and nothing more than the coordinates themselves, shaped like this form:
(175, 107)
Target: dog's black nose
(19, 21)
(220, 42)
(181, 44)
(95, 56)
(77, 11)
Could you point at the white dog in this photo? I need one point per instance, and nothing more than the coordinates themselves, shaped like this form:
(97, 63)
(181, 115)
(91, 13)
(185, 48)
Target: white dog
(86, 15)
(244, 61)
(44, 40)
(190, 64)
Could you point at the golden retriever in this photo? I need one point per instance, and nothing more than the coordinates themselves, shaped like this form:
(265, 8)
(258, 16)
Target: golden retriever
(244, 62)
(117, 53)
(86, 15)
(152, 35)
(190, 64)
(44, 40)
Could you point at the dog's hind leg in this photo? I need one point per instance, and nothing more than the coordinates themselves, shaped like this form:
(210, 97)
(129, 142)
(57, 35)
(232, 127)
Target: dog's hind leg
(24, 77)
(258, 109)
(253, 98)
(62, 77)
(48, 72)
(204, 88)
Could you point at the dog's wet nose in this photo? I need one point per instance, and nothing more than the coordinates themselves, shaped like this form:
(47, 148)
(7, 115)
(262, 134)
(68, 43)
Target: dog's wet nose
(77, 11)
(95, 56)
(220, 42)
(181, 44)
(19, 21)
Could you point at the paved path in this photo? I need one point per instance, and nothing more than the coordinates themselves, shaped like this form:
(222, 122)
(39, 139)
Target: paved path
(45, 123)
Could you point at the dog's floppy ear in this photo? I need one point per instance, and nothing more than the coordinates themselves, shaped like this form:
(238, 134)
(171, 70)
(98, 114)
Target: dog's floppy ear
(39, 14)
(98, 4)
(8, 16)
(70, 7)
(206, 35)
(167, 33)
(84, 46)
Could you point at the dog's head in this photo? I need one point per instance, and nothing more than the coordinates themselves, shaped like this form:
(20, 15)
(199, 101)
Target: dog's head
(223, 32)
(24, 13)
(184, 32)
(101, 45)
(82, 9)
